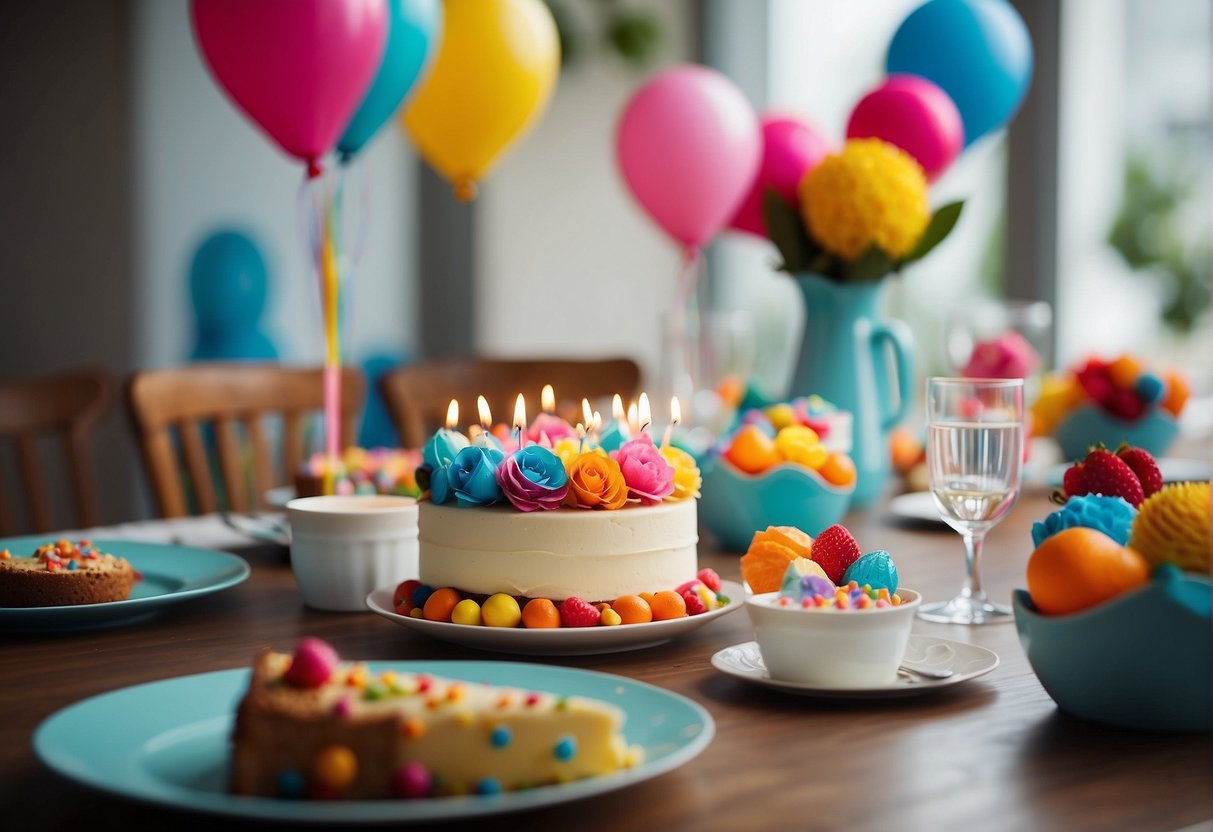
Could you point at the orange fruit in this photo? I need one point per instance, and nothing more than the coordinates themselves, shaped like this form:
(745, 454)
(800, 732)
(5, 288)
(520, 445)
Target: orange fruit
(839, 469)
(1079, 567)
(633, 609)
(752, 450)
(667, 604)
(1124, 371)
(1178, 391)
(440, 604)
(763, 565)
(540, 614)
(789, 536)
(905, 448)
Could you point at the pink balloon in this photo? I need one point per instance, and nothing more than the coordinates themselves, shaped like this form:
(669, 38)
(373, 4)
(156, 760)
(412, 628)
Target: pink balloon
(297, 68)
(790, 149)
(688, 146)
(915, 115)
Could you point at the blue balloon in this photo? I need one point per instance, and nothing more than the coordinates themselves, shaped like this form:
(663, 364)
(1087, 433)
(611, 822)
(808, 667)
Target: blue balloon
(228, 283)
(977, 51)
(414, 27)
(377, 429)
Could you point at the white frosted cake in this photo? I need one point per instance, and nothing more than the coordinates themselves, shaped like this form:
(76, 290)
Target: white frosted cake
(593, 555)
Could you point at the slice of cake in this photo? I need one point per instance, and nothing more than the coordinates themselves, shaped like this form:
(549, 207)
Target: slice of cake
(62, 574)
(312, 726)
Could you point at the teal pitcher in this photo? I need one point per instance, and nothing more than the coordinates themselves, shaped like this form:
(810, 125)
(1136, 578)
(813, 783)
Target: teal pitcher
(844, 359)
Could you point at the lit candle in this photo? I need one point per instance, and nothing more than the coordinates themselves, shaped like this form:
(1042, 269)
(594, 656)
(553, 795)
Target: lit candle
(485, 438)
(547, 399)
(633, 418)
(520, 420)
(675, 418)
(446, 442)
(587, 415)
(580, 438)
(617, 411)
(645, 412)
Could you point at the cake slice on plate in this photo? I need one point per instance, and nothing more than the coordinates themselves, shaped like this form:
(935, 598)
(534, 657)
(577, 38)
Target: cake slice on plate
(311, 726)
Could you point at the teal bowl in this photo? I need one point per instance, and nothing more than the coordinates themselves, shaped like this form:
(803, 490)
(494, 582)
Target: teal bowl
(1143, 660)
(733, 504)
(1089, 425)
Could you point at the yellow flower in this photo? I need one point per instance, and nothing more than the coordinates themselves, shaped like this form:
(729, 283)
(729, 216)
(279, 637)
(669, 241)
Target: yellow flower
(686, 473)
(871, 193)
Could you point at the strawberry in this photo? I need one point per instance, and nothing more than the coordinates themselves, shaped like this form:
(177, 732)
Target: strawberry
(834, 550)
(709, 578)
(574, 612)
(1102, 472)
(694, 603)
(1143, 467)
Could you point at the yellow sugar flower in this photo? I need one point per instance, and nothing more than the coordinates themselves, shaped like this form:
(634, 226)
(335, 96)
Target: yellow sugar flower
(872, 193)
(687, 479)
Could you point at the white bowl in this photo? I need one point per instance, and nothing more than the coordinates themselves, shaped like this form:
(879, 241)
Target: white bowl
(344, 548)
(831, 648)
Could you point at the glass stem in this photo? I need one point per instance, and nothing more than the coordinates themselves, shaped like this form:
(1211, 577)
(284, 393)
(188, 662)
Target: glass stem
(973, 543)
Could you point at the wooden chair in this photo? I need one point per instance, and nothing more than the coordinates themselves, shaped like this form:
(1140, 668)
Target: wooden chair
(417, 395)
(232, 399)
(69, 405)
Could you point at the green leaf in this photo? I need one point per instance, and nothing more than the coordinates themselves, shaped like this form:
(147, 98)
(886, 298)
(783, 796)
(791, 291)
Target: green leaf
(873, 264)
(941, 224)
(785, 230)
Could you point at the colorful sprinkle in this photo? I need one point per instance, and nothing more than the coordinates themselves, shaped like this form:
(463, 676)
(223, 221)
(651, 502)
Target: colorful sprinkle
(72, 566)
(488, 785)
(565, 749)
(335, 767)
(412, 780)
(343, 707)
(413, 728)
(500, 737)
(532, 699)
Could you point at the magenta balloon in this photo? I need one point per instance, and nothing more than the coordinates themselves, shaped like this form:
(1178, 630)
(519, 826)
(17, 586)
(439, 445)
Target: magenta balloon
(688, 146)
(297, 68)
(914, 114)
(790, 149)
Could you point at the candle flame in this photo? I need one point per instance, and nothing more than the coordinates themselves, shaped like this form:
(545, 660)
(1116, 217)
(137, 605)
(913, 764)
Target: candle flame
(587, 415)
(547, 399)
(617, 411)
(581, 430)
(633, 418)
(675, 411)
(596, 423)
(645, 412)
(520, 413)
(452, 415)
(486, 417)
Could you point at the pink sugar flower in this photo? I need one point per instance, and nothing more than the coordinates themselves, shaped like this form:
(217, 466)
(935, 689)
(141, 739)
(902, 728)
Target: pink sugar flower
(648, 475)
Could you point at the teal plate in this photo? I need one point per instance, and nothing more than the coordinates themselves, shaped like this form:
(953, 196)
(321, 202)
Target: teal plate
(171, 574)
(167, 743)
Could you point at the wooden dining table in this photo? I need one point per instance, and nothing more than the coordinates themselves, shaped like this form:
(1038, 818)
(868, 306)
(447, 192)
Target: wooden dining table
(993, 752)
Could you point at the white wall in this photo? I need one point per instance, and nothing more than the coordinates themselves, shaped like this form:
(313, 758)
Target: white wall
(200, 165)
(567, 263)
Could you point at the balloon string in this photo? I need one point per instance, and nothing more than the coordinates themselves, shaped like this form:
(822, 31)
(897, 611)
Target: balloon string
(331, 311)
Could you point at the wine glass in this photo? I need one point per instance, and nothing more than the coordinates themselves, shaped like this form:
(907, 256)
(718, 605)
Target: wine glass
(975, 459)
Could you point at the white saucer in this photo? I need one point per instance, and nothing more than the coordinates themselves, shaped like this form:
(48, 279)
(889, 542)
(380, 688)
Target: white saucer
(559, 641)
(916, 505)
(966, 661)
(1173, 469)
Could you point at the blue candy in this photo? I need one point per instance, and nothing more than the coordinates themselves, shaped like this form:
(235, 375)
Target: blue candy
(876, 569)
(1150, 388)
(1111, 515)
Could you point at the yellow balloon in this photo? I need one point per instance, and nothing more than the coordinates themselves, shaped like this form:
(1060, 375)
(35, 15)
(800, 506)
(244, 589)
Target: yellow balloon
(490, 81)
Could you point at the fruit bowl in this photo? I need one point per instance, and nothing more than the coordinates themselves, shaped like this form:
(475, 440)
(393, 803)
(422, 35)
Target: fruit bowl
(1089, 425)
(734, 504)
(1142, 660)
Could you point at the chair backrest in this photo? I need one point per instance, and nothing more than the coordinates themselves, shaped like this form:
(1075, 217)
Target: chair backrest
(68, 405)
(417, 395)
(233, 400)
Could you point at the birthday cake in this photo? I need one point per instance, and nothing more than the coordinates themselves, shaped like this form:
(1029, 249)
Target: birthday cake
(560, 518)
(311, 726)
